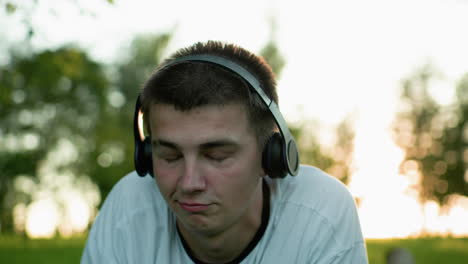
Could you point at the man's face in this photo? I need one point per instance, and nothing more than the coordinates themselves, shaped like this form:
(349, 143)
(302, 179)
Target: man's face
(207, 164)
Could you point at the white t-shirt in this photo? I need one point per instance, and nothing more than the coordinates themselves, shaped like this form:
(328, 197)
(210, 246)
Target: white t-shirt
(313, 219)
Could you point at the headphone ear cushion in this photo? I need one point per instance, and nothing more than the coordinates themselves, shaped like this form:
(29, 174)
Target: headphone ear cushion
(143, 157)
(273, 158)
(148, 155)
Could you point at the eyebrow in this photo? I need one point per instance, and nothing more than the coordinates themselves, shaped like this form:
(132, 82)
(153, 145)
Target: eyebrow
(219, 143)
(207, 145)
(164, 143)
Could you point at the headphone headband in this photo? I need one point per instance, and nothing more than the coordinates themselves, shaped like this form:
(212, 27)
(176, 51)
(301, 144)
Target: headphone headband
(288, 152)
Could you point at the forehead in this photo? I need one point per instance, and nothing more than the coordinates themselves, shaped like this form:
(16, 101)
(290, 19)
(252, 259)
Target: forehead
(203, 122)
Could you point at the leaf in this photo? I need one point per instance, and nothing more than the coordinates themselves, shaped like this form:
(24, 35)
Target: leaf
(10, 8)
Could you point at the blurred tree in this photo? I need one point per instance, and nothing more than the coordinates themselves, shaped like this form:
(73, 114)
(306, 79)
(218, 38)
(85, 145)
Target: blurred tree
(63, 96)
(272, 55)
(455, 144)
(270, 52)
(433, 137)
(336, 161)
(310, 149)
(116, 130)
(146, 52)
(343, 150)
(47, 98)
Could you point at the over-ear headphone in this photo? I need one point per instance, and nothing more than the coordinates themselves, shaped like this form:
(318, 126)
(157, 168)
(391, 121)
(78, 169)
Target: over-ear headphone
(280, 155)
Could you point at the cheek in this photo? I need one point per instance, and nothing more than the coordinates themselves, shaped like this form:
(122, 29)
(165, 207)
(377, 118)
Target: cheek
(251, 163)
(240, 179)
(166, 179)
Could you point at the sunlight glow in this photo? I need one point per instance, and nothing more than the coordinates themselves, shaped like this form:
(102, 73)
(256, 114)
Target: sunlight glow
(45, 217)
(76, 215)
(389, 205)
(63, 203)
(42, 219)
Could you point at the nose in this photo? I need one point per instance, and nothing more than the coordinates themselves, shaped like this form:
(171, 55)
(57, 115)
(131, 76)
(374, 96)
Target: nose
(192, 179)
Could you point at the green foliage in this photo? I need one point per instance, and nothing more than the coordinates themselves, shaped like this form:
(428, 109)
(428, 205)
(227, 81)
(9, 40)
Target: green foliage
(272, 55)
(116, 130)
(335, 160)
(10, 8)
(61, 96)
(48, 97)
(343, 151)
(146, 52)
(434, 137)
(311, 151)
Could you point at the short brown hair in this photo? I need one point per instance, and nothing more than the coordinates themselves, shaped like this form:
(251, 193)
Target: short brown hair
(190, 84)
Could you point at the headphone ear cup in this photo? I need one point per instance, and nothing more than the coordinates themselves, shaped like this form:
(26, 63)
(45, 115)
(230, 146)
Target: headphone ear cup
(273, 158)
(143, 157)
(148, 155)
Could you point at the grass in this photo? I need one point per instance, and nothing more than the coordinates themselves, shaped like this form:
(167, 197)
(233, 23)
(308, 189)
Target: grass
(17, 249)
(431, 250)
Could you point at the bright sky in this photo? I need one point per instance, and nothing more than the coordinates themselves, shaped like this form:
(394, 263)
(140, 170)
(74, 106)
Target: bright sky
(342, 56)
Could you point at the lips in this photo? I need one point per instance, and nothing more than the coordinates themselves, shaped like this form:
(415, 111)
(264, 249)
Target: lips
(193, 207)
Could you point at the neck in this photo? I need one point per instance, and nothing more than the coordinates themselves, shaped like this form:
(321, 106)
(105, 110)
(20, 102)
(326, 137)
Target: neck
(225, 246)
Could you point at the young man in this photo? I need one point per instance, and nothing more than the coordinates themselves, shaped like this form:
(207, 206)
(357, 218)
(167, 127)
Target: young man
(222, 160)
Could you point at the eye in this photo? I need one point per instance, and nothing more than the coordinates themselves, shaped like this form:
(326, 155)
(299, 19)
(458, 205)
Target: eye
(217, 156)
(172, 158)
(218, 159)
(168, 157)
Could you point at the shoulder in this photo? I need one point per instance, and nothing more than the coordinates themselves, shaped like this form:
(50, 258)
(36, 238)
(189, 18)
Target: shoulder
(131, 194)
(312, 188)
(133, 225)
(132, 184)
(319, 193)
(316, 212)
(133, 211)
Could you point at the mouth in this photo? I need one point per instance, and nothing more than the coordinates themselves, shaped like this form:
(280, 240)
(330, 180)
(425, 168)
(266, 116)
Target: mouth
(193, 207)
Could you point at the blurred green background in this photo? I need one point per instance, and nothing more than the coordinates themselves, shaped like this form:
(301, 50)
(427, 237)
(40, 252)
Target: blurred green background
(66, 139)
